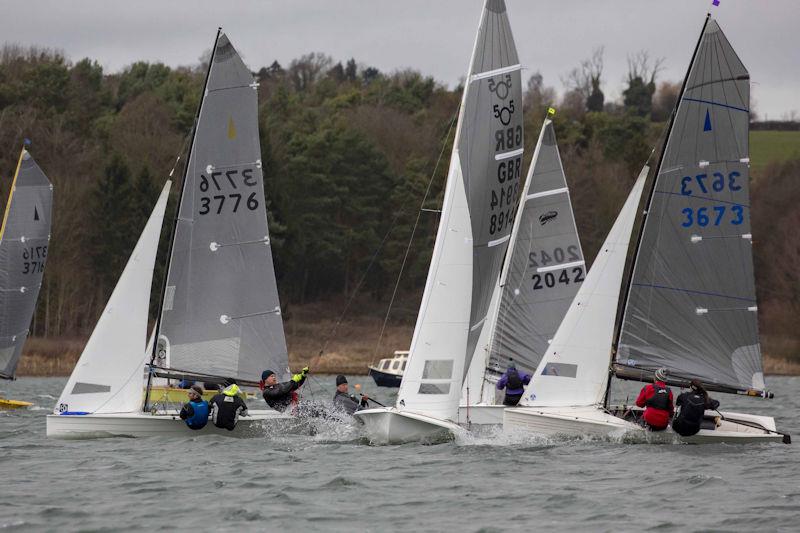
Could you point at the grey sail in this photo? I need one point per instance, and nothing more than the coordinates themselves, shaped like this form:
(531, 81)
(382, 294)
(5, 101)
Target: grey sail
(24, 239)
(221, 314)
(544, 266)
(490, 151)
(691, 305)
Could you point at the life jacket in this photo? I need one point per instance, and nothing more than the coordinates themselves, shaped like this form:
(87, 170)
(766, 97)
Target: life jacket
(659, 400)
(693, 407)
(513, 381)
(200, 417)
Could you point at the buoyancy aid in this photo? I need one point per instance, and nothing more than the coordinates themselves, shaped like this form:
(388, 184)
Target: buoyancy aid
(200, 417)
(659, 400)
(513, 382)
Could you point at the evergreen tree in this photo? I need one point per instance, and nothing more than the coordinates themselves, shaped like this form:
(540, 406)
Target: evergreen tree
(110, 244)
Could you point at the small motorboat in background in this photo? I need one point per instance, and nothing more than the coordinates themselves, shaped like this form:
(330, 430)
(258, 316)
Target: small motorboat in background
(389, 372)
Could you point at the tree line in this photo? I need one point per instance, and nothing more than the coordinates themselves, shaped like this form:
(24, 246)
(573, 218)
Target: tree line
(349, 153)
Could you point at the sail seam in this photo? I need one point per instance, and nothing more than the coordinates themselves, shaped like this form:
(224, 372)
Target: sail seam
(692, 291)
(702, 198)
(716, 103)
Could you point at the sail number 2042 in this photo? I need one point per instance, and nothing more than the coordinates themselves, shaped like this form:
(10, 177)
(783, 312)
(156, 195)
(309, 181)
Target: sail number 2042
(231, 180)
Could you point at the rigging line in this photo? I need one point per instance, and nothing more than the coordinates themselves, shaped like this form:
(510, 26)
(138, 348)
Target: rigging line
(414, 230)
(360, 283)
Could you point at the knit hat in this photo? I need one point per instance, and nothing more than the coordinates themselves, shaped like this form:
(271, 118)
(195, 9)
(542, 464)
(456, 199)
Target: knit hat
(265, 374)
(340, 380)
(661, 374)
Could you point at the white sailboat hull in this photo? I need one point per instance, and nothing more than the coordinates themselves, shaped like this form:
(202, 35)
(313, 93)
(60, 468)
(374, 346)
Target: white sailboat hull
(92, 426)
(480, 415)
(391, 426)
(593, 422)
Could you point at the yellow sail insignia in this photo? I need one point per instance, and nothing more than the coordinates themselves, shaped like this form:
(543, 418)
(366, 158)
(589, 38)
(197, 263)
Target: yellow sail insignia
(231, 129)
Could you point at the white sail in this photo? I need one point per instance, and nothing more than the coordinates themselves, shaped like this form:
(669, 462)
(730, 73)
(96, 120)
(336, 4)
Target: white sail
(108, 375)
(574, 370)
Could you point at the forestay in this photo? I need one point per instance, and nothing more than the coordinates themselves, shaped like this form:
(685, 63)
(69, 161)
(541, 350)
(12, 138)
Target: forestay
(108, 376)
(545, 266)
(692, 303)
(24, 239)
(221, 315)
(574, 369)
(477, 215)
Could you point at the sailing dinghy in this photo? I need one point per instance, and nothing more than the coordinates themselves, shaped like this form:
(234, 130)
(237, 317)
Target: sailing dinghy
(220, 314)
(24, 239)
(543, 270)
(689, 300)
(478, 212)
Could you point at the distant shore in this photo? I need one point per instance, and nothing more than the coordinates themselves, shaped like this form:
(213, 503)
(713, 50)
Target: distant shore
(350, 354)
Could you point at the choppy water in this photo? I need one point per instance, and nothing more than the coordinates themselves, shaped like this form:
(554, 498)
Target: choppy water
(333, 481)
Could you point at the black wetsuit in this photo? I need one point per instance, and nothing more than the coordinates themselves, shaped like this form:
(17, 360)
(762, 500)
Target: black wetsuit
(348, 403)
(693, 406)
(226, 410)
(279, 396)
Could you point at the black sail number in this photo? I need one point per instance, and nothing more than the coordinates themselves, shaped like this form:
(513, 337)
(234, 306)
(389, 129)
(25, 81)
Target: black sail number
(33, 258)
(548, 280)
(224, 189)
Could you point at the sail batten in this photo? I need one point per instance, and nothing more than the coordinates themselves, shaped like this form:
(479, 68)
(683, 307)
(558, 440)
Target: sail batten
(691, 299)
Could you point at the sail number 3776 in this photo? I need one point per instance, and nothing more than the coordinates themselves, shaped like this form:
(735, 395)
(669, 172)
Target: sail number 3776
(224, 200)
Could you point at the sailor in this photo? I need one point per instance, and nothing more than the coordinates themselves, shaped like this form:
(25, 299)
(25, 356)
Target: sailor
(514, 382)
(280, 396)
(195, 411)
(347, 402)
(693, 404)
(656, 398)
(228, 406)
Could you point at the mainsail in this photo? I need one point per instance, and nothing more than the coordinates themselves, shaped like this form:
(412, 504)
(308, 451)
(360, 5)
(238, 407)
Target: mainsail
(220, 314)
(477, 215)
(691, 304)
(545, 266)
(24, 239)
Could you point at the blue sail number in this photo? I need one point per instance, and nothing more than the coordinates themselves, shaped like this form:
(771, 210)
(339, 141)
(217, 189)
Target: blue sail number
(702, 217)
(718, 183)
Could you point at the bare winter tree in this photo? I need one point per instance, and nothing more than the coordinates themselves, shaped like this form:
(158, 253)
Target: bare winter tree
(638, 97)
(586, 79)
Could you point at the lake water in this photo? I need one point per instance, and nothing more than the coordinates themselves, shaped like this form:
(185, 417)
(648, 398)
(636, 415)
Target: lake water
(335, 481)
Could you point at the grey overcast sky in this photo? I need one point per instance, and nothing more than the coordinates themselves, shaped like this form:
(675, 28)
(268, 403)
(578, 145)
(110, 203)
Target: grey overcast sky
(433, 36)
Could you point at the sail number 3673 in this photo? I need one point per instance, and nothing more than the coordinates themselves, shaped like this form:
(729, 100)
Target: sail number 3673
(229, 179)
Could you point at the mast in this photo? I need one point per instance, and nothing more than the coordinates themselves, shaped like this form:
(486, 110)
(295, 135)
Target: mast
(650, 191)
(175, 221)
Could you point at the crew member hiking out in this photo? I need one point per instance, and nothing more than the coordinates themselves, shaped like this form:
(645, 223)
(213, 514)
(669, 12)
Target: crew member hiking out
(514, 382)
(347, 402)
(195, 411)
(693, 404)
(227, 407)
(656, 398)
(280, 396)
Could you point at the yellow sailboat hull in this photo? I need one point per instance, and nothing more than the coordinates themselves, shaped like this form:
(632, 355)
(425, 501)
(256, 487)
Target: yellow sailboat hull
(13, 404)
